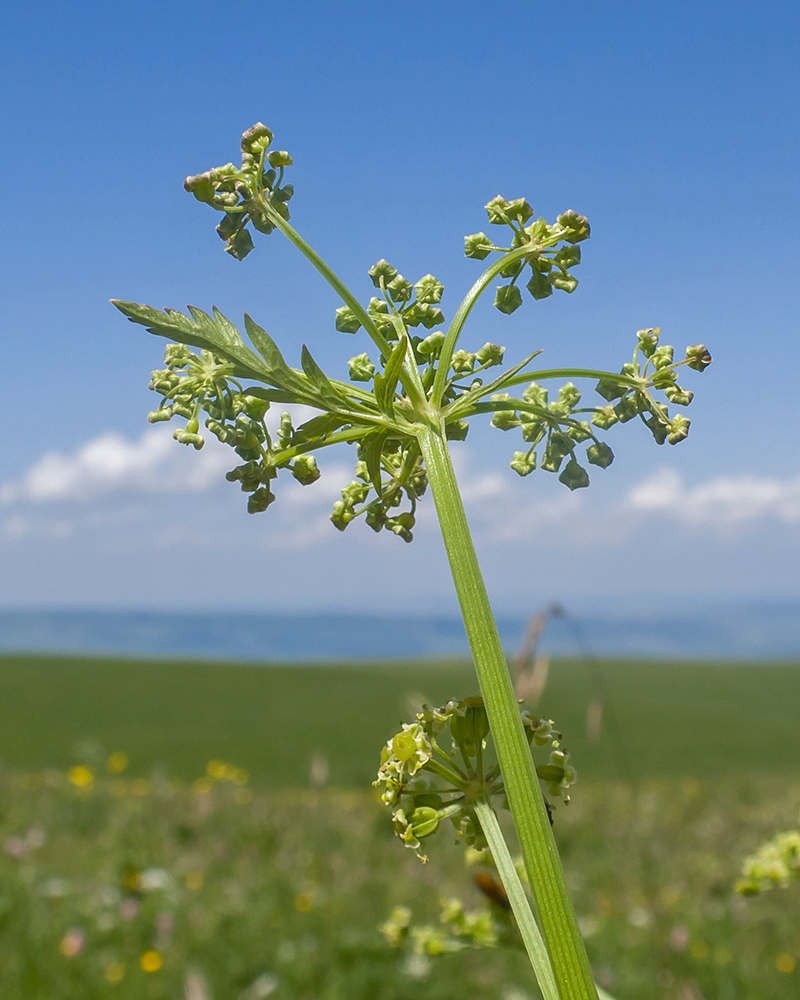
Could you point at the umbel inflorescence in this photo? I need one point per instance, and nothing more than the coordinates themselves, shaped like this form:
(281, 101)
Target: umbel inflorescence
(417, 372)
(436, 768)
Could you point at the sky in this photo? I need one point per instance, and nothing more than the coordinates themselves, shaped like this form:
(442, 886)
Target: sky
(673, 127)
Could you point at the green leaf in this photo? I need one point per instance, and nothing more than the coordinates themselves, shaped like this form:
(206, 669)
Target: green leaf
(279, 372)
(199, 331)
(319, 380)
(386, 384)
(371, 449)
(318, 427)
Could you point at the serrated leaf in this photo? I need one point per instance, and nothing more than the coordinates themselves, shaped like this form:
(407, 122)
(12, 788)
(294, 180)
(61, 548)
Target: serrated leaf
(279, 372)
(175, 325)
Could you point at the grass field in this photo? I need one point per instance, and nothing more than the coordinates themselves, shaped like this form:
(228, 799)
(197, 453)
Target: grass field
(163, 882)
(660, 719)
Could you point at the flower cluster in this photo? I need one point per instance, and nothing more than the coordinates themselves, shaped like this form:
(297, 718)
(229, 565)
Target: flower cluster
(420, 377)
(240, 192)
(549, 259)
(426, 778)
(775, 864)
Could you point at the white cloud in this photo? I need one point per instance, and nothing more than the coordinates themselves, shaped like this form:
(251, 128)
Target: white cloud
(110, 464)
(724, 501)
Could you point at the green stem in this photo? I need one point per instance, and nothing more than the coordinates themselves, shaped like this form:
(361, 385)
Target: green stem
(528, 928)
(545, 875)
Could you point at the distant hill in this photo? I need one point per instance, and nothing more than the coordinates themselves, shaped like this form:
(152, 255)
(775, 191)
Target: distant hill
(766, 630)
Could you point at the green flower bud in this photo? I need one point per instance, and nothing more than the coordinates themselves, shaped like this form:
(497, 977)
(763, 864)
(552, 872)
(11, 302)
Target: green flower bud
(662, 357)
(580, 431)
(432, 345)
(698, 357)
(259, 501)
(240, 244)
(569, 256)
(574, 476)
(478, 246)
(565, 283)
(523, 462)
(539, 285)
(382, 269)
(604, 417)
(569, 395)
(346, 321)
(256, 139)
(535, 394)
(657, 428)
(609, 390)
(201, 186)
(424, 314)
(648, 341)
(176, 355)
(159, 415)
(342, 515)
(304, 469)
(508, 299)
(182, 410)
(463, 362)
(504, 420)
(189, 437)
(678, 396)
(470, 729)
(279, 158)
(456, 430)
(626, 409)
(361, 368)
(230, 223)
(429, 289)
(532, 430)
(497, 210)
(490, 355)
(577, 226)
(400, 289)
(424, 822)
(664, 378)
(600, 454)
(678, 428)
(513, 269)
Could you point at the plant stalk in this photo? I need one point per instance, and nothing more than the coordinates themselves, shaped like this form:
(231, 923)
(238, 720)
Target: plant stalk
(521, 908)
(542, 863)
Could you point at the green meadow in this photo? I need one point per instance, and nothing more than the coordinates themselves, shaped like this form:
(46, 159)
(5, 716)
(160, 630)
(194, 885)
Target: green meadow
(165, 879)
(659, 719)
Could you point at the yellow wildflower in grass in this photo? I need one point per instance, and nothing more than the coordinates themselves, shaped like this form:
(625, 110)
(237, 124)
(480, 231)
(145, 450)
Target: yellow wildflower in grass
(80, 776)
(114, 972)
(239, 776)
(217, 770)
(202, 786)
(785, 963)
(151, 961)
(117, 762)
(194, 881)
(303, 902)
(699, 949)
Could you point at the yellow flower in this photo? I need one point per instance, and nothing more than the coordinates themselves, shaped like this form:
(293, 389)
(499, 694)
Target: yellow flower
(303, 902)
(151, 961)
(80, 776)
(114, 972)
(785, 963)
(194, 881)
(202, 786)
(116, 764)
(217, 770)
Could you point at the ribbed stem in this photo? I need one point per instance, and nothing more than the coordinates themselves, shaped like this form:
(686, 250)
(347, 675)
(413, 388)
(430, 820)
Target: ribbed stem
(545, 874)
(520, 907)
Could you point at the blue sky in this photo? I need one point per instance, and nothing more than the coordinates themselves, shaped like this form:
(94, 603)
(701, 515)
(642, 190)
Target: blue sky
(674, 128)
